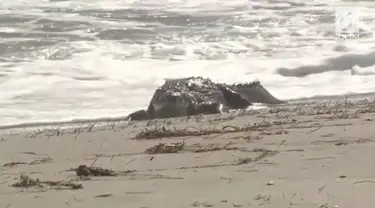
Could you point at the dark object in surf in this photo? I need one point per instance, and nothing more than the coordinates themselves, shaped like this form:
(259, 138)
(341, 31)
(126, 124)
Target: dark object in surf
(197, 95)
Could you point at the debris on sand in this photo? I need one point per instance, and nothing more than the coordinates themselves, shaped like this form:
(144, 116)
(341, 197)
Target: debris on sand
(201, 204)
(163, 148)
(35, 162)
(168, 148)
(263, 154)
(83, 170)
(103, 195)
(198, 148)
(270, 183)
(162, 132)
(26, 182)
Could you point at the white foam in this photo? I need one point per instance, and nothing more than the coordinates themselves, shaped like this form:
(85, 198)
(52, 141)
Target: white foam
(125, 85)
(111, 79)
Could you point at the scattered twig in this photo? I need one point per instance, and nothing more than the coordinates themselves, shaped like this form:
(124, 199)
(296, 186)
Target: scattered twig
(241, 161)
(295, 150)
(321, 188)
(35, 162)
(320, 158)
(314, 130)
(103, 195)
(229, 180)
(211, 148)
(91, 127)
(93, 162)
(364, 181)
(342, 141)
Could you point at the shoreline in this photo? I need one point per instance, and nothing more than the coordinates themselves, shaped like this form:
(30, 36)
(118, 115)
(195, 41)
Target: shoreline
(105, 120)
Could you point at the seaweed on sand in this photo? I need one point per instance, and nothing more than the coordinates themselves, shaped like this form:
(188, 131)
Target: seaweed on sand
(27, 182)
(83, 170)
(164, 133)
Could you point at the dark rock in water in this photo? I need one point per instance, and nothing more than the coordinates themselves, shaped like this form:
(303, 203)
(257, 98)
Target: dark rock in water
(254, 92)
(197, 95)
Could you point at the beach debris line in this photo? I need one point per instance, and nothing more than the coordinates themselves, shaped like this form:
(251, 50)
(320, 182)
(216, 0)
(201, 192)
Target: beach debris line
(263, 154)
(162, 132)
(341, 142)
(198, 148)
(34, 162)
(168, 148)
(27, 182)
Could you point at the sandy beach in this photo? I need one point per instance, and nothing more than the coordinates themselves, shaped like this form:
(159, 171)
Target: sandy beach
(302, 155)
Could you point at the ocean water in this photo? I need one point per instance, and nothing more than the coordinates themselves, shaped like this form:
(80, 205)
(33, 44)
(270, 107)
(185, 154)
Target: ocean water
(62, 60)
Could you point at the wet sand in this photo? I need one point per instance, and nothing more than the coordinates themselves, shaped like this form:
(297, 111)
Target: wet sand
(301, 155)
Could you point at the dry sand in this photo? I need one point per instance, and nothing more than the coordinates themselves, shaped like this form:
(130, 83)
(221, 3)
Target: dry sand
(317, 155)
